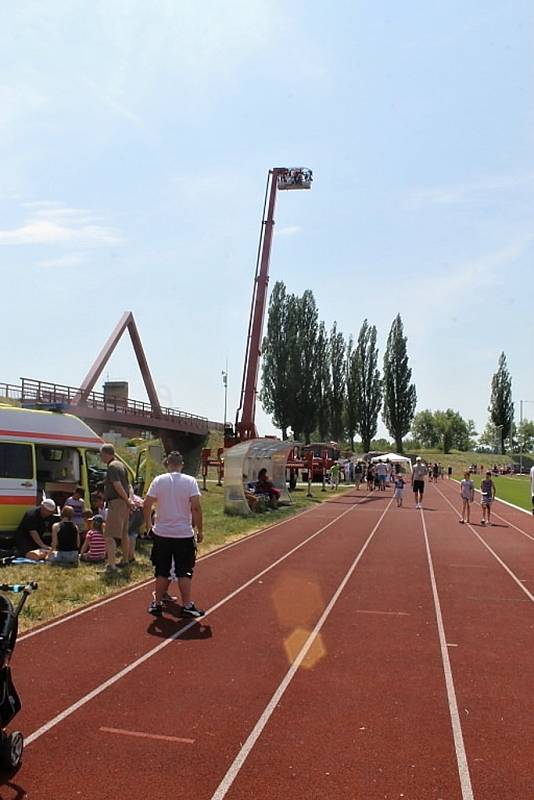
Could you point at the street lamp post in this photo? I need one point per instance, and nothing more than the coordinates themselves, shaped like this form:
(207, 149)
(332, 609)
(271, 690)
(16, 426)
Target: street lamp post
(224, 374)
(498, 447)
(521, 435)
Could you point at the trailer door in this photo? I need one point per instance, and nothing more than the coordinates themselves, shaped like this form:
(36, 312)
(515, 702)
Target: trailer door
(18, 485)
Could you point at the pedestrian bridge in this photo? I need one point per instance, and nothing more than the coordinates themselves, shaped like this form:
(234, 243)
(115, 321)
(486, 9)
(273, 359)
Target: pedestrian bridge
(178, 430)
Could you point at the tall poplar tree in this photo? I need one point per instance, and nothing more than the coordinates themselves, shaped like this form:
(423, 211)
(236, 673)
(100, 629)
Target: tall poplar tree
(325, 385)
(276, 379)
(501, 406)
(304, 366)
(351, 382)
(338, 387)
(400, 397)
(367, 389)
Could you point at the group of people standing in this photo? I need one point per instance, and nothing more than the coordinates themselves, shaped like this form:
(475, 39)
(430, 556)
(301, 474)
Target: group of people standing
(87, 534)
(172, 513)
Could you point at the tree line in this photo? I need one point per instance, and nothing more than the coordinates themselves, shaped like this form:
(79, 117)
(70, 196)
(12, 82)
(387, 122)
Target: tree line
(448, 430)
(324, 386)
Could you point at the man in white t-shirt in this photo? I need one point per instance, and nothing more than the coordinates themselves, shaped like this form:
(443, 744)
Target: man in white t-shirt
(381, 471)
(532, 486)
(177, 528)
(419, 474)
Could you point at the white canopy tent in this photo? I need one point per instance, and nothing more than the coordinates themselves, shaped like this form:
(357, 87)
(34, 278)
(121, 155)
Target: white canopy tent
(395, 458)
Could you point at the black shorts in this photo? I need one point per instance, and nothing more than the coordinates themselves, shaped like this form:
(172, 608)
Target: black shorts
(183, 551)
(419, 486)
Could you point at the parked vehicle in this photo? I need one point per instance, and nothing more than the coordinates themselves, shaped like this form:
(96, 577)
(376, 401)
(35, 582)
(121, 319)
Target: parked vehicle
(43, 454)
(324, 455)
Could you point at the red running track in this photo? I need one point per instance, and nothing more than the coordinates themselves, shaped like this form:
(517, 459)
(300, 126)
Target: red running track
(355, 651)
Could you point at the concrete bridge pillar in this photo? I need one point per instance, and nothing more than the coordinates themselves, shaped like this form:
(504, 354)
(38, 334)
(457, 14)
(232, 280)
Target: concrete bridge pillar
(190, 446)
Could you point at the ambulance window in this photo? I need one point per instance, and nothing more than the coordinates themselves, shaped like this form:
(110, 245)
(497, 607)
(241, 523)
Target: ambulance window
(49, 454)
(16, 460)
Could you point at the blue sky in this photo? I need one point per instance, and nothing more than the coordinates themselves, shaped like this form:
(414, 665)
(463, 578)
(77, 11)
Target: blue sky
(135, 139)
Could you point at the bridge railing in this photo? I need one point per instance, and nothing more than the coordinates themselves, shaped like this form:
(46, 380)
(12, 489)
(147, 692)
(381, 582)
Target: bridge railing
(10, 391)
(56, 393)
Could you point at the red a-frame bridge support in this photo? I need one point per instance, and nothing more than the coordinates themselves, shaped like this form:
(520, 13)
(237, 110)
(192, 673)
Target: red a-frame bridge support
(179, 431)
(126, 322)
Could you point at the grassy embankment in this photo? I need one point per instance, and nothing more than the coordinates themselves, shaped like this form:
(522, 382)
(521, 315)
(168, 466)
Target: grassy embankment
(62, 589)
(459, 461)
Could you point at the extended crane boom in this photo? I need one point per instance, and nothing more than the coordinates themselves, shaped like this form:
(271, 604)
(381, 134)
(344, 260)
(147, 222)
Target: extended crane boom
(281, 178)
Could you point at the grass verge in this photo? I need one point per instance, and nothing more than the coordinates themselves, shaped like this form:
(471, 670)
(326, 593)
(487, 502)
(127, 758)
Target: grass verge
(63, 589)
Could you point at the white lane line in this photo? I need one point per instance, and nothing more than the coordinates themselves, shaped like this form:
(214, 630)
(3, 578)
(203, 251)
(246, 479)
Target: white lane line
(511, 525)
(494, 554)
(256, 732)
(390, 613)
(141, 735)
(118, 595)
(150, 653)
(459, 746)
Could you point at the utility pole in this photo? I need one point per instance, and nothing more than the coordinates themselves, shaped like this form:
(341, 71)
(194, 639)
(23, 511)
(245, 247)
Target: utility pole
(520, 437)
(224, 374)
(521, 434)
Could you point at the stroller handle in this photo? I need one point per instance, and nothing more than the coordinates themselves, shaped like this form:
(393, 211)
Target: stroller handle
(27, 588)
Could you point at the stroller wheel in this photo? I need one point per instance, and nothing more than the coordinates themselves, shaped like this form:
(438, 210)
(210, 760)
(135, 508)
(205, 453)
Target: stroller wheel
(11, 749)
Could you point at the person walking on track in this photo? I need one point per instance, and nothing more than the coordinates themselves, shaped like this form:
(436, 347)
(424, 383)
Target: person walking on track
(399, 490)
(532, 486)
(487, 491)
(467, 493)
(334, 476)
(177, 529)
(419, 474)
(117, 495)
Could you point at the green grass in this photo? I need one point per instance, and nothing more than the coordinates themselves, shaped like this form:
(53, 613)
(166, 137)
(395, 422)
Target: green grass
(62, 589)
(459, 461)
(514, 488)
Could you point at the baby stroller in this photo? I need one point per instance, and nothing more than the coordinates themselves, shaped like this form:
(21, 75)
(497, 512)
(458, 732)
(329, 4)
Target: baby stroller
(11, 744)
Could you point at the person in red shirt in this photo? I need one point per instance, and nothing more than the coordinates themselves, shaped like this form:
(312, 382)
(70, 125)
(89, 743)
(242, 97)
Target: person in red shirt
(265, 486)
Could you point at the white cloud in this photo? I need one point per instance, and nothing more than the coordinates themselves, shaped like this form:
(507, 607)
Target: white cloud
(288, 230)
(69, 260)
(455, 284)
(55, 224)
(129, 53)
(469, 192)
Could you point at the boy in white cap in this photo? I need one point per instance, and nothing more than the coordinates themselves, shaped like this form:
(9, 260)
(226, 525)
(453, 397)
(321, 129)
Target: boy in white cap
(28, 538)
(419, 474)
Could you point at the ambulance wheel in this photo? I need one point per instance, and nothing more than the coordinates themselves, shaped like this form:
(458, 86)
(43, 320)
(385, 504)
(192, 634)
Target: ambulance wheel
(11, 751)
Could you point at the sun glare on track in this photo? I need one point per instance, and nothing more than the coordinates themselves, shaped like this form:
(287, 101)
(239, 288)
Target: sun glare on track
(298, 600)
(295, 642)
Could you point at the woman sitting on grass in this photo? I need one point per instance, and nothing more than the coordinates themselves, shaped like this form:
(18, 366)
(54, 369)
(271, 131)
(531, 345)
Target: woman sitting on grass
(65, 539)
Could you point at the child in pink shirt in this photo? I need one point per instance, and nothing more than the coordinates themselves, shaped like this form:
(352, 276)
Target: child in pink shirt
(94, 546)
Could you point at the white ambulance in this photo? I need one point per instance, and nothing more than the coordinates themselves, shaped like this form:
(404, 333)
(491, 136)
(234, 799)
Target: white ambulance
(43, 453)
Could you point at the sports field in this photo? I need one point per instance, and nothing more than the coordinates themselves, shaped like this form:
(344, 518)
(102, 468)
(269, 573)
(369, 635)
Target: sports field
(356, 650)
